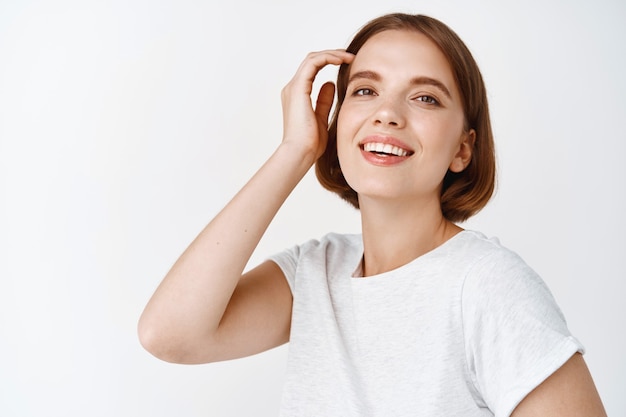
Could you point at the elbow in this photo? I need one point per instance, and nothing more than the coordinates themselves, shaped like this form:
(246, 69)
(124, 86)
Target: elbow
(169, 346)
(158, 342)
(151, 339)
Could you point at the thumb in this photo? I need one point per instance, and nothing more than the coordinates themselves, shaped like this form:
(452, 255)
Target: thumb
(324, 102)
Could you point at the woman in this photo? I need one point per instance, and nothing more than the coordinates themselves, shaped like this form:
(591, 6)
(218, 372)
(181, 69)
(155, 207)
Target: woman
(416, 316)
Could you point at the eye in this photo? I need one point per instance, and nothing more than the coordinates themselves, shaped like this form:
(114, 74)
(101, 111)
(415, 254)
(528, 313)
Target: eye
(363, 92)
(427, 100)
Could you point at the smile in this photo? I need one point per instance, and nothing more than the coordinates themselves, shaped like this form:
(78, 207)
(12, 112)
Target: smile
(385, 149)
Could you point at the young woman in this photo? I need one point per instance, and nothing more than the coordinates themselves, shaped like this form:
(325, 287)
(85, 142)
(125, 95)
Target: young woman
(415, 316)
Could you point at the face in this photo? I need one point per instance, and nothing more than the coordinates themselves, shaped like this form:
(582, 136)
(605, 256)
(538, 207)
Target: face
(401, 125)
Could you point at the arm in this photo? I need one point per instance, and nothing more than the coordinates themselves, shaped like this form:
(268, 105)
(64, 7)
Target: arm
(204, 310)
(569, 392)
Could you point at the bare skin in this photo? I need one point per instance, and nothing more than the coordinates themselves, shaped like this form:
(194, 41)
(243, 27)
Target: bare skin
(207, 310)
(569, 391)
(385, 101)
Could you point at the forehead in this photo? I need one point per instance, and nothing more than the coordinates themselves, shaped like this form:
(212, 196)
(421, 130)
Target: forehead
(400, 54)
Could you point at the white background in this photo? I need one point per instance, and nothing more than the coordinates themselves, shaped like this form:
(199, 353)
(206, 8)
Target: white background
(125, 125)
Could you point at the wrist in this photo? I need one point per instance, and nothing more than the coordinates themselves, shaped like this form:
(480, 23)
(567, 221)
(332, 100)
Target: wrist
(300, 153)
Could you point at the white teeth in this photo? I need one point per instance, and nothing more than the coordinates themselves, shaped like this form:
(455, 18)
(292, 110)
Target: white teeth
(384, 148)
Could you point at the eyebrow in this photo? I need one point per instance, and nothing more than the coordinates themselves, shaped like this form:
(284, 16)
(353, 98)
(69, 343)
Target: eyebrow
(422, 80)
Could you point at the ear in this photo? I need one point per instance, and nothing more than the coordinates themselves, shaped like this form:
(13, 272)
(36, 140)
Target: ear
(464, 154)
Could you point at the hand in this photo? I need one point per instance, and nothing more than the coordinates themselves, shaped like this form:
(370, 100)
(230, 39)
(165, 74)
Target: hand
(302, 125)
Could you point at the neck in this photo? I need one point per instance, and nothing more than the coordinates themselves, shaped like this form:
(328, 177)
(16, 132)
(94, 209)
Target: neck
(395, 233)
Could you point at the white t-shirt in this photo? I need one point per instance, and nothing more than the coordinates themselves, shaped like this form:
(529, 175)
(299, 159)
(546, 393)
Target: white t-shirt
(467, 329)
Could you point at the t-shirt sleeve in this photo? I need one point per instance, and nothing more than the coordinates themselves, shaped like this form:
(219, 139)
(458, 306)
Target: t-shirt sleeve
(287, 261)
(515, 334)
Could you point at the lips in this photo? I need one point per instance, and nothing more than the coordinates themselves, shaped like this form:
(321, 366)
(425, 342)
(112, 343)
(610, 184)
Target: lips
(384, 150)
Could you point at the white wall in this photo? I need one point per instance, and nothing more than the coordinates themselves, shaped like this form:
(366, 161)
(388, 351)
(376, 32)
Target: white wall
(126, 124)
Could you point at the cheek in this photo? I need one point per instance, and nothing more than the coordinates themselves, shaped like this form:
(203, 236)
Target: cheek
(342, 122)
(345, 146)
(443, 132)
(342, 149)
(344, 132)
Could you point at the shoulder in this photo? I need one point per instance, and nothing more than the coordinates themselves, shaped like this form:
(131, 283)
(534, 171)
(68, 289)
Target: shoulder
(480, 246)
(499, 282)
(333, 254)
(514, 331)
(336, 241)
(486, 259)
(471, 255)
(502, 292)
(328, 245)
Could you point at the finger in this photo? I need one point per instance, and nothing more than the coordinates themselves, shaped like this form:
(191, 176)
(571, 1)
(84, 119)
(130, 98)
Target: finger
(324, 102)
(315, 61)
(328, 56)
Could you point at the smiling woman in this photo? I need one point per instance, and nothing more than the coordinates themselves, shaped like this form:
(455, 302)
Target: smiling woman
(414, 315)
(467, 189)
(402, 92)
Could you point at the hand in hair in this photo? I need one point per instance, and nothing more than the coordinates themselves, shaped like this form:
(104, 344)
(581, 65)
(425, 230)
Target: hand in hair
(304, 126)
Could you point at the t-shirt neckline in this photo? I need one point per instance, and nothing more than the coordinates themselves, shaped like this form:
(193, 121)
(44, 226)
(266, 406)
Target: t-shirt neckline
(357, 274)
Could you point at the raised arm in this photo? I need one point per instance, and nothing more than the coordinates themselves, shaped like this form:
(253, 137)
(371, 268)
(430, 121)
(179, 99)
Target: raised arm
(204, 310)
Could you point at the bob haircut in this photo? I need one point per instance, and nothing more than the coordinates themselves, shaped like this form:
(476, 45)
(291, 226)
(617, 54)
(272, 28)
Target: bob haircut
(464, 193)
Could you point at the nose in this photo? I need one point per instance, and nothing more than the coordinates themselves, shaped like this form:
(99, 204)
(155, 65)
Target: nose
(389, 113)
